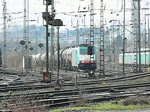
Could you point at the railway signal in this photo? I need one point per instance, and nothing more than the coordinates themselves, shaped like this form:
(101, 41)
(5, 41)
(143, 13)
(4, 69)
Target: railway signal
(40, 46)
(22, 42)
(57, 23)
(46, 16)
(49, 19)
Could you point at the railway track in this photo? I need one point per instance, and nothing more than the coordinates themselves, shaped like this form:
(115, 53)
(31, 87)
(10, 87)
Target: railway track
(66, 97)
(34, 91)
(75, 91)
(34, 85)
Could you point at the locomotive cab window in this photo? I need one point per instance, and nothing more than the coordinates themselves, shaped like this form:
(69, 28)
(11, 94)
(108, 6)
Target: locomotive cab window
(83, 51)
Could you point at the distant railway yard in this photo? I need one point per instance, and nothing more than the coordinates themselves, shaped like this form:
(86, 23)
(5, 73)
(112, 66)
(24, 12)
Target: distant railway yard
(27, 92)
(60, 54)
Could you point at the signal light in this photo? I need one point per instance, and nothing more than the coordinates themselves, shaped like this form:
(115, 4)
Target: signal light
(49, 2)
(22, 42)
(40, 45)
(47, 17)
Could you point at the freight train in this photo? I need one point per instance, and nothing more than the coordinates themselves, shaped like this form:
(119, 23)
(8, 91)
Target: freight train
(130, 58)
(73, 58)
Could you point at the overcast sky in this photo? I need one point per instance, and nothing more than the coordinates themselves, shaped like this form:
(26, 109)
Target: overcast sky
(63, 10)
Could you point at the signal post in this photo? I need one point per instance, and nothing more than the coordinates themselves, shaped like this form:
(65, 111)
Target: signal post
(49, 19)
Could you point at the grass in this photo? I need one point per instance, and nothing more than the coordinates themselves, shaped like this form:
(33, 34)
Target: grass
(104, 106)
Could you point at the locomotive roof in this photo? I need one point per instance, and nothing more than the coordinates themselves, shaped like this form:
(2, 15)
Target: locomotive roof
(86, 45)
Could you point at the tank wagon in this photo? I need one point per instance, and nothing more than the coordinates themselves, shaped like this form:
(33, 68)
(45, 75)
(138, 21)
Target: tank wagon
(72, 58)
(38, 59)
(129, 58)
(77, 58)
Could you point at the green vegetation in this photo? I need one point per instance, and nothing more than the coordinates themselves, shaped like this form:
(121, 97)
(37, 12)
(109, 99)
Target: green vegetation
(104, 83)
(104, 106)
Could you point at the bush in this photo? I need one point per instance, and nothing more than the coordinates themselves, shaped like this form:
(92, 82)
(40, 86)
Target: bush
(135, 101)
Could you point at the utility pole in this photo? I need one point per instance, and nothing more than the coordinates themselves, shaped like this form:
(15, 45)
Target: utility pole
(114, 60)
(36, 46)
(84, 28)
(26, 35)
(27, 43)
(77, 31)
(139, 35)
(138, 40)
(4, 35)
(52, 39)
(148, 40)
(145, 42)
(47, 35)
(124, 18)
(24, 25)
(114, 50)
(25, 39)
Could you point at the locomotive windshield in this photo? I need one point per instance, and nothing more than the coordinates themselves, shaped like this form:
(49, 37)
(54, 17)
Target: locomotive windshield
(83, 50)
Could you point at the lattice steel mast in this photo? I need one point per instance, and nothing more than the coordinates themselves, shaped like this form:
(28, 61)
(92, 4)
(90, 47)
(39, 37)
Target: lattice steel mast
(134, 19)
(92, 30)
(102, 72)
(138, 38)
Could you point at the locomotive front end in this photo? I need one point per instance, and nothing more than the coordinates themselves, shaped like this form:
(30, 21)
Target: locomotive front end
(85, 63)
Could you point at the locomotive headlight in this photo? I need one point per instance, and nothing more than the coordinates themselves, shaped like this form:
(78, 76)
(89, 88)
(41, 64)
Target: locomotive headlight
(91, 72)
